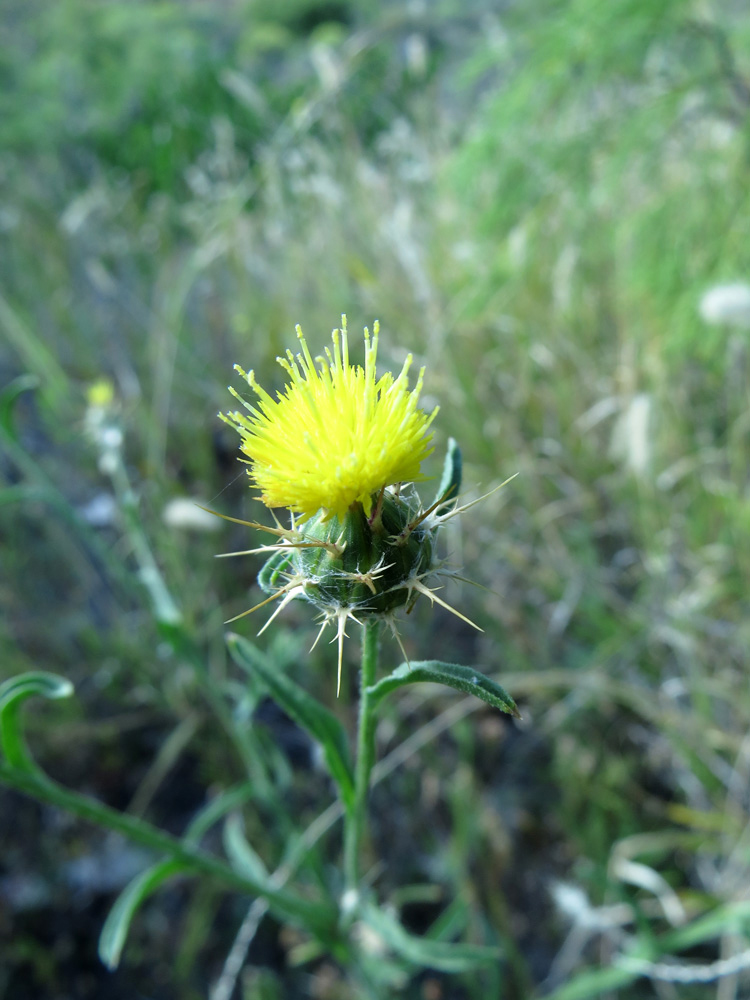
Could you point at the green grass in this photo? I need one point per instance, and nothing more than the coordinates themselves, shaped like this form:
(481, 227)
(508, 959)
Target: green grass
(535, 209)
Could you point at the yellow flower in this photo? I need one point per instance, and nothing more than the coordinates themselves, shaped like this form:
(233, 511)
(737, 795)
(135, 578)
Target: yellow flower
(337, 434)
(101, 393)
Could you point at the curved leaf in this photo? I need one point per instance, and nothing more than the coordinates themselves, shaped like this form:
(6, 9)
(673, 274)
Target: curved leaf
(117, 924)
(429, 954)
(308, 713)
(271, 575)
(450, 483)
(13, 693)
(205, 818)
(453, 675)
(242, 856)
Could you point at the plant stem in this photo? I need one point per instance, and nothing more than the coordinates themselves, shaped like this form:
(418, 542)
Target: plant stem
(35, 783)
(355, 822)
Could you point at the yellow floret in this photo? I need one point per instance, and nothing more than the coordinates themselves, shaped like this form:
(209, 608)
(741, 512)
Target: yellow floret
(336, 434)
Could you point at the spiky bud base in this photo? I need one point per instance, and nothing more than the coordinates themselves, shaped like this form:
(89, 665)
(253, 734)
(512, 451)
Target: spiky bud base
(364, 566)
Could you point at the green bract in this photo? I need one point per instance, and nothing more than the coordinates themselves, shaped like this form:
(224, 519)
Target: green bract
(369, 566)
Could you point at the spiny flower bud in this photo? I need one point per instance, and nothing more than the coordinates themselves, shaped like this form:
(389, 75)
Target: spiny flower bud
(369, 566)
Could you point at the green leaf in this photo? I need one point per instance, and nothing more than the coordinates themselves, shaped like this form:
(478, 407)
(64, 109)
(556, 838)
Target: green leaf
(450, 484)
(202, 822)
(308, 713)
(117, 924)
(33, 352)
(242, 856)
(9, 396)
(21, 493)
(271, 576)
(444, 957)
(13, 693)
(453, 675)
(594, 983)
(451, 922)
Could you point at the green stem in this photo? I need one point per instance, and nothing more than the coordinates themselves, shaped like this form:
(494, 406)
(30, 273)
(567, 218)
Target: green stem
(35, 783)
(355, 821)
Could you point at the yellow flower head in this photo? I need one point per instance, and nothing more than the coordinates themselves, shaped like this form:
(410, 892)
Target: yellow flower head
(337, 434)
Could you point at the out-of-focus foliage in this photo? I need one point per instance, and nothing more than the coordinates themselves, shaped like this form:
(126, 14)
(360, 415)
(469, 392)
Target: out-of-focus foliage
(135, 87)
(609, 191)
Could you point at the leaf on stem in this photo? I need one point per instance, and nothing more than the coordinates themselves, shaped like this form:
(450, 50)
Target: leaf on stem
(450, 483)
(308, 713)
(117, 924)
(242, 856)
(465, 679)
(424, 952)
(205, 818)
(13, 693)
(271, 576)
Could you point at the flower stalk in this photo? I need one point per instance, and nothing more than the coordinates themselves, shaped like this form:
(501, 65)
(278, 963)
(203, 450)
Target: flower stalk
(355, 822)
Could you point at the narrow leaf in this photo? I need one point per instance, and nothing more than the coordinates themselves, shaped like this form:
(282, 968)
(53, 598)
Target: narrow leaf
(424, 952)
(454, 675)
(21, 493)
(242, 856)
(203, 820)
(450, 483)
(33, 353)
(9, 396)
(13, 693)
(271, 576)
(308, 713)
(451, 922)
(35, 682)
(117, 924)
(594, 983)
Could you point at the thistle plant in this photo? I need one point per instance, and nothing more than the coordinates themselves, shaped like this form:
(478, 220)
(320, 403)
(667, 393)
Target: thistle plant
(340, 448)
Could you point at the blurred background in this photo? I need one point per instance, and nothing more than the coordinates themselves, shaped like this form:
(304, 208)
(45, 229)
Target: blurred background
(547, 202)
